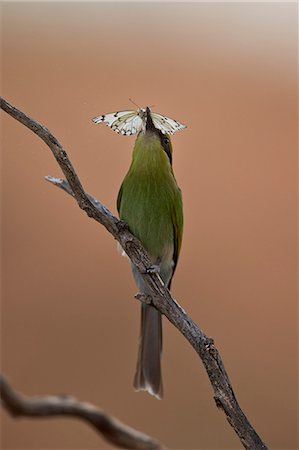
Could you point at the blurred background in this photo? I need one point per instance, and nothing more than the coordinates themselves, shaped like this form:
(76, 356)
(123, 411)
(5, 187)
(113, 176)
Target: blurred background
(69, 321)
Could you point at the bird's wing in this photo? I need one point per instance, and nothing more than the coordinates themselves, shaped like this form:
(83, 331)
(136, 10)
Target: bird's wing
(119, 199)
(178, 223)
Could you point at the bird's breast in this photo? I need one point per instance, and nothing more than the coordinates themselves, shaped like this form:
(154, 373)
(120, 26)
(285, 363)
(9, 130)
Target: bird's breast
(147, 205)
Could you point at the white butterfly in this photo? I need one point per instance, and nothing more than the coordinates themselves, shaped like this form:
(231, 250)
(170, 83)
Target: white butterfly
(131, 122)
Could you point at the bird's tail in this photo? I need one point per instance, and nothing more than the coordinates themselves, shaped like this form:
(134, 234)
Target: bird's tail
(148, 376)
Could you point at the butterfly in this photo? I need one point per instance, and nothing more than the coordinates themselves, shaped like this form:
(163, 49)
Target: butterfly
(131, 122)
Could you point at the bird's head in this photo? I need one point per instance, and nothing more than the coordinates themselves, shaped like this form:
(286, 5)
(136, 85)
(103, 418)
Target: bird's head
(151, 137)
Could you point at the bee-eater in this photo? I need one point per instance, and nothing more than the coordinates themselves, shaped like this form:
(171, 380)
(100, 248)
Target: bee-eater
(150, 202)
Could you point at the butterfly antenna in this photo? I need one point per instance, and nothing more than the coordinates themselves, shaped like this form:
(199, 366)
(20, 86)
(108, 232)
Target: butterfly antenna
(134, 103)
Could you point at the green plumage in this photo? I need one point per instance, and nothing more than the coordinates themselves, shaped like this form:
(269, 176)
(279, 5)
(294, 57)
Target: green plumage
(150, 202)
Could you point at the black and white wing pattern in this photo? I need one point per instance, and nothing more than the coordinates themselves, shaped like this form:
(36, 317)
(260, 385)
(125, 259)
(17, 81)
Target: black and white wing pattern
(123, 122)
(131, 122)
(165, 124)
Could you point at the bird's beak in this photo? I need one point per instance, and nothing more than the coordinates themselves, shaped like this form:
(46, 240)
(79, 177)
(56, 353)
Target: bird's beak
(149, 121)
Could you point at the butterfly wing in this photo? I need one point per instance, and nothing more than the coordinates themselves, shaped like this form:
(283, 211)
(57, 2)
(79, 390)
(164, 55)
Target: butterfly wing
(111, 118)
(130, 125)
(131, 122)
(123, 122)
(165, 124)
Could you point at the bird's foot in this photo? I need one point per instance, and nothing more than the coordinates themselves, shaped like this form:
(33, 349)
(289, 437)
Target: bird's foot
(144, 298)
(152, 269)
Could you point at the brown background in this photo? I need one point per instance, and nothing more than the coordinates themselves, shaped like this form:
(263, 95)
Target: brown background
(69, 321)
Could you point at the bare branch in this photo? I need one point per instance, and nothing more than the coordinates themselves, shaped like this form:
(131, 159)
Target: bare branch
(111, 429)
(161, 298)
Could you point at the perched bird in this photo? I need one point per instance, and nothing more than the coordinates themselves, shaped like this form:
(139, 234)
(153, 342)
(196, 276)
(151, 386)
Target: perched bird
(150, 202)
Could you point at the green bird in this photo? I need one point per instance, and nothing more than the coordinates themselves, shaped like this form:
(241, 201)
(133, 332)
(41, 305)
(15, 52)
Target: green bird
(150, 202)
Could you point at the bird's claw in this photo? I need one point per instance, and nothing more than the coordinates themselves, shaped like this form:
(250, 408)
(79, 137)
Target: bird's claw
(152, 269)
(144, 298)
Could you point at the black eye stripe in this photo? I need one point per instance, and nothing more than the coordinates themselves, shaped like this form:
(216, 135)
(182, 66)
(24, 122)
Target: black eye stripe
(166, 147)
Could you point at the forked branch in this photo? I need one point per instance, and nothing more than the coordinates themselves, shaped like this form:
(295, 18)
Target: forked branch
(160, 296)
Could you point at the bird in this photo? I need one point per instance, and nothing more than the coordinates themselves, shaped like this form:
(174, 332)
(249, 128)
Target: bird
(150, 202)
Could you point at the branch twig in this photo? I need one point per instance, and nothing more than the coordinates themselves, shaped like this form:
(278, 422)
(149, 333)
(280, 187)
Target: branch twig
(112, 430)
(161, 298)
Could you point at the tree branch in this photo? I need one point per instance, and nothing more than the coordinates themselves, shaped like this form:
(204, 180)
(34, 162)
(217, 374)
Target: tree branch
(160, 296)
(111, 429)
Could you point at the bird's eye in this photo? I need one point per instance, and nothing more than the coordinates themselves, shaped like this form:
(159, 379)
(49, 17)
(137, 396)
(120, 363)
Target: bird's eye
(165, 141)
